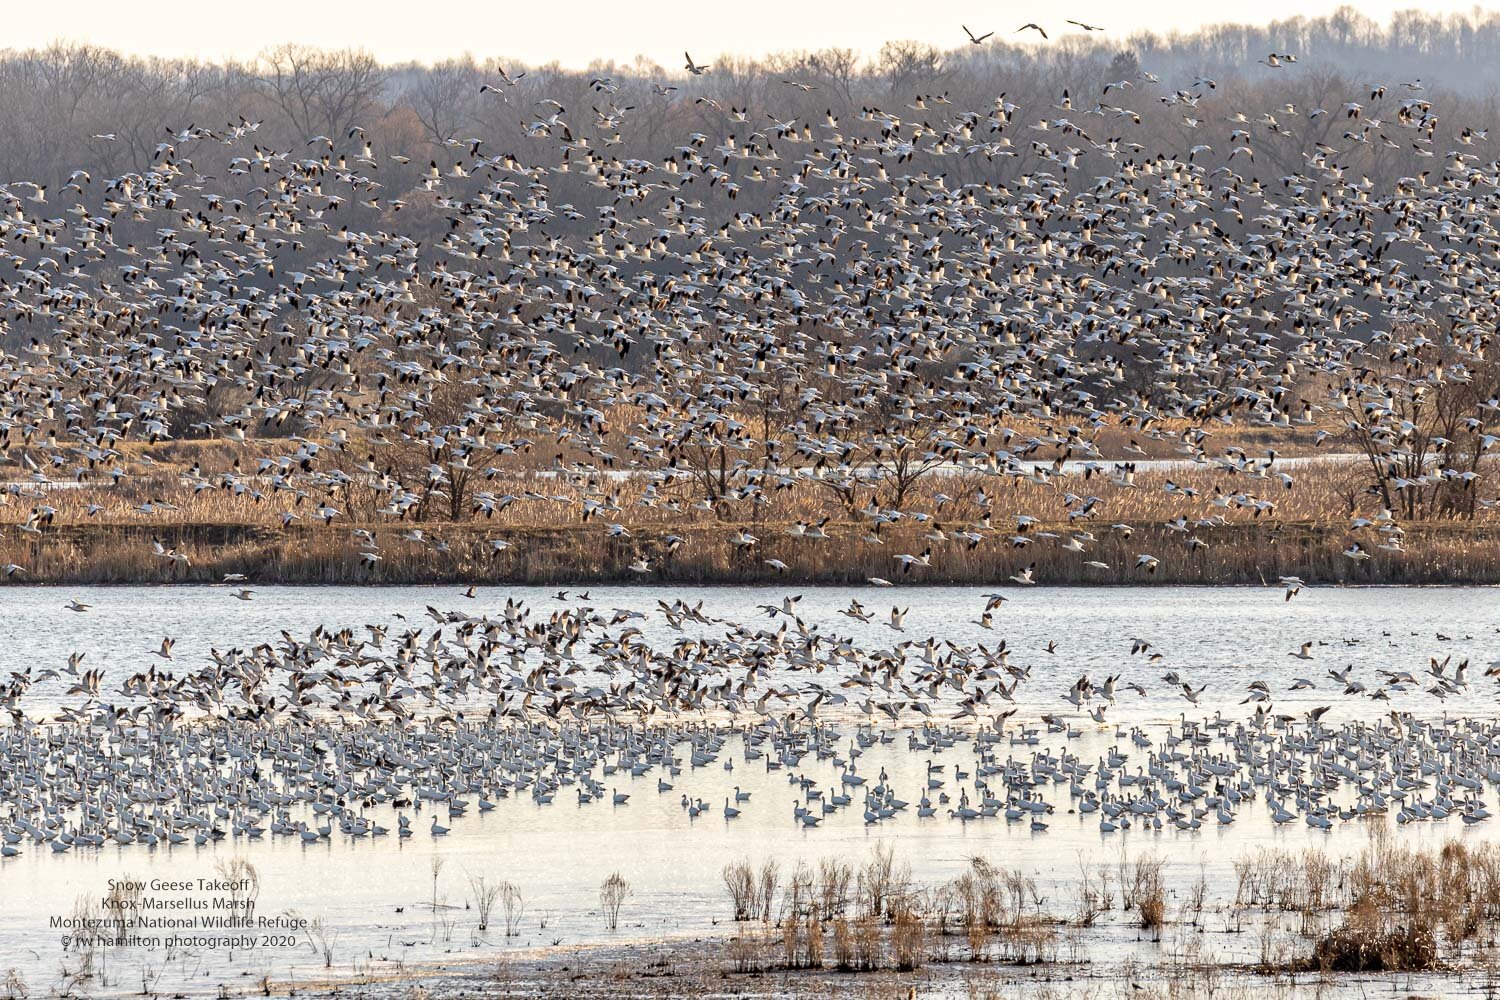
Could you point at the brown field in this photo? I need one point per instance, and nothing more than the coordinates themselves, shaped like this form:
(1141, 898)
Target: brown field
(551, 541)
(1239, 553)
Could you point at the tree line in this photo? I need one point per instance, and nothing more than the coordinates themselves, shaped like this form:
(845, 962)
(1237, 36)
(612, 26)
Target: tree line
(78, 106)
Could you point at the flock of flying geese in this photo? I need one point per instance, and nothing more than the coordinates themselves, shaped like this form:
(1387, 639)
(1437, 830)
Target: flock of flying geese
(600, 314)
(891, 310)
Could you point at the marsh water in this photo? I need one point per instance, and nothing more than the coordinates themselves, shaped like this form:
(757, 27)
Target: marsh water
(375, 896)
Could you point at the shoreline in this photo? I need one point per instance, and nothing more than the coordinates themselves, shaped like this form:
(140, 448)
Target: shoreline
(696, 965)
(814, 585)
(1237, 553)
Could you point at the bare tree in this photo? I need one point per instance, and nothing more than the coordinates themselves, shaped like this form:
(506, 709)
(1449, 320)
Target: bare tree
(443, 97)
(322, 92)
(908, 67)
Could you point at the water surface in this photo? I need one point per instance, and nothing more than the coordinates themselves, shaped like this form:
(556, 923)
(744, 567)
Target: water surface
(375, 894)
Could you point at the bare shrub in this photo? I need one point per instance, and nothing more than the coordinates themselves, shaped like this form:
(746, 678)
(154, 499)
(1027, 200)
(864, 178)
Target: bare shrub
(882, 881)
(613, 892)
(747, 950)
(867, 944)
(1152, 907)
(739, 882)
(1195, 898)
(834, 878)
(843, 945)
(322, 938)
(813, 940)
(765, 893)
(907, 936)
(1092, 894)
(483, 896)
(512, 908)
(798, 894)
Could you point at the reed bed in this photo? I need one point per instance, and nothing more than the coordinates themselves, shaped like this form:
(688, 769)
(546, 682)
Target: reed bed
(1388, 908)
(552, 540)
(1325, 491)
(889, 923)
(1255, 553)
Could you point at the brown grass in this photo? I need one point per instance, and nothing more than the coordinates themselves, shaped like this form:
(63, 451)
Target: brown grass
(1456, 553)
(1387, 909)
(907, 936)
(1391, 909)
(222, 532)
(1397, 908)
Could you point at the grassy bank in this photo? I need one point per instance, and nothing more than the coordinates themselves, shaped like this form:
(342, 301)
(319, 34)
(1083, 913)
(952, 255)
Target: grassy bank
(555, 529)
(1243, 552)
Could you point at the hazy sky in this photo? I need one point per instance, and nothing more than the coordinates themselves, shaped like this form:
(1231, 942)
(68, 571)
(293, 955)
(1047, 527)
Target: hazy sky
(577, 32)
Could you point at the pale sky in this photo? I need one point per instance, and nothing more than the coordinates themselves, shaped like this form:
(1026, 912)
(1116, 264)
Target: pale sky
(576, 32)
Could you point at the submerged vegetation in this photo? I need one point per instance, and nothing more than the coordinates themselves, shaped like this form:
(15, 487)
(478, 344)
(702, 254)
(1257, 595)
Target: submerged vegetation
(865, 927)
(1385, 909)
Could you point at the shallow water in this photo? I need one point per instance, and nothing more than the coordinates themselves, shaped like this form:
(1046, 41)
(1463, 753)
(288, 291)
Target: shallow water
(558, 854)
